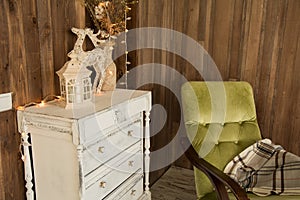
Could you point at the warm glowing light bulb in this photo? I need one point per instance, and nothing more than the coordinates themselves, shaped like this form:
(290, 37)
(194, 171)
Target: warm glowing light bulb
(23, 158)
(99, 93)
(110, 72)
(23, 134)
(41, 104)
(20, 108)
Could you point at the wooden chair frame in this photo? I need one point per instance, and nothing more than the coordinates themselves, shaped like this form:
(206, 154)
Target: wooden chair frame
(218, 179)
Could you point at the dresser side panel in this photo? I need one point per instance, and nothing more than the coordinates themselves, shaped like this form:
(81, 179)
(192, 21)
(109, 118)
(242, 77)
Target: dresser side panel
(55, 166)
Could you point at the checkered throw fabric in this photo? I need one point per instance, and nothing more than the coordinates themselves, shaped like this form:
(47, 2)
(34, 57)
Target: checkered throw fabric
(265, 168)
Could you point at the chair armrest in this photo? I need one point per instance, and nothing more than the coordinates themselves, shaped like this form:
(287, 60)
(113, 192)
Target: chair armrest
(216, 176)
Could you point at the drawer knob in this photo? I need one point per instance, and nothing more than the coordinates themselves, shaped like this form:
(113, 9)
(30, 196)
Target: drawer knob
(130, 133)
(102, 184)
(101, 149)
(119, 116)
(133, 192)
(130, 163)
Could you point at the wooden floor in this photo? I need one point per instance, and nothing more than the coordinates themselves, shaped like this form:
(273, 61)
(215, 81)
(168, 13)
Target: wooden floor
(175, 184)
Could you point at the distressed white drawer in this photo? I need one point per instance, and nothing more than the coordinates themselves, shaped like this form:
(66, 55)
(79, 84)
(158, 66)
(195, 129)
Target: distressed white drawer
(130, 190)
(108, 182)
(135, 192)
(93, 125)
(110, 146)
(129, 109)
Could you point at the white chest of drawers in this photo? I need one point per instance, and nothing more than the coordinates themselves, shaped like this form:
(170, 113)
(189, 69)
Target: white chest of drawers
(100, 152)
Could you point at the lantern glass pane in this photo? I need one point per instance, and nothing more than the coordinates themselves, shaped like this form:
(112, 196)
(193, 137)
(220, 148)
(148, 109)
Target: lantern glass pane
(63, 88)
(71, 91)
(86, 89)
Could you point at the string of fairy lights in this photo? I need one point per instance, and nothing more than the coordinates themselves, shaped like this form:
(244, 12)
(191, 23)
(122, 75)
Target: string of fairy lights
(125, 43)
(24, 135)
(106, 16)
(127, 62)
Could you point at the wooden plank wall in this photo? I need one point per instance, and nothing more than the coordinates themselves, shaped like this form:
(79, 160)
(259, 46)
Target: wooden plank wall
(34, 40)
(250, 40)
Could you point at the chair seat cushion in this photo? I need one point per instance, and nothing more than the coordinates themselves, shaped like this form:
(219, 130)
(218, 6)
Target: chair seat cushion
(212, 196)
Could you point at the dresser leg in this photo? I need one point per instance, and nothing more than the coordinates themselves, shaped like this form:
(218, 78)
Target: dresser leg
(81, 182)
(27, 165)
(147, 152)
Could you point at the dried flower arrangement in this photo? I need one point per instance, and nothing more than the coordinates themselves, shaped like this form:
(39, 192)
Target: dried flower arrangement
(109, 15)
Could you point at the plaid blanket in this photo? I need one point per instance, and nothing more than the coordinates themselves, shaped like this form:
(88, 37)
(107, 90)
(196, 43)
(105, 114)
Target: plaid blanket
(265, 168)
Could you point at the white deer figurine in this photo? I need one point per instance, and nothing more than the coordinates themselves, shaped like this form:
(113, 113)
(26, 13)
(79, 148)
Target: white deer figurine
(99, 58)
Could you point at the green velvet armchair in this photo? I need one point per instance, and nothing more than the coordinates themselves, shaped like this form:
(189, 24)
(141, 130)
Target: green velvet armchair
(220, 120)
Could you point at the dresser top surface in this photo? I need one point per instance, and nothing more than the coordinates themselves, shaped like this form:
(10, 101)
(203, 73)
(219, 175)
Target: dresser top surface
(101, 102)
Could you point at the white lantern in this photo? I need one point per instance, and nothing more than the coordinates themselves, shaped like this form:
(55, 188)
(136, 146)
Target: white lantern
(75, 84)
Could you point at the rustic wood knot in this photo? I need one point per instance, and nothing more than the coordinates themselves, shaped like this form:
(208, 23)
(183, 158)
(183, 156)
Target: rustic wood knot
(6, 66)
(11, 5)
(34, 20)
(46, 29)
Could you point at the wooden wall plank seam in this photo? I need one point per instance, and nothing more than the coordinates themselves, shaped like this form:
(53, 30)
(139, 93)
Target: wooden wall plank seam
(234, 65)
(260, 48)
(222, 36)
(31, 49)
(202, 21)
(46, 46)
(253, 39)
(244, 36)
(229, 44)
(276, 64)
(17, 58)
(210, 27)
(4, 61)
(58, 40)
(271, 29)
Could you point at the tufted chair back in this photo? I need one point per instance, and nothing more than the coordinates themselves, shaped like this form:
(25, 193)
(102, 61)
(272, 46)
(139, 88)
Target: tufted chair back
(220, 120)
